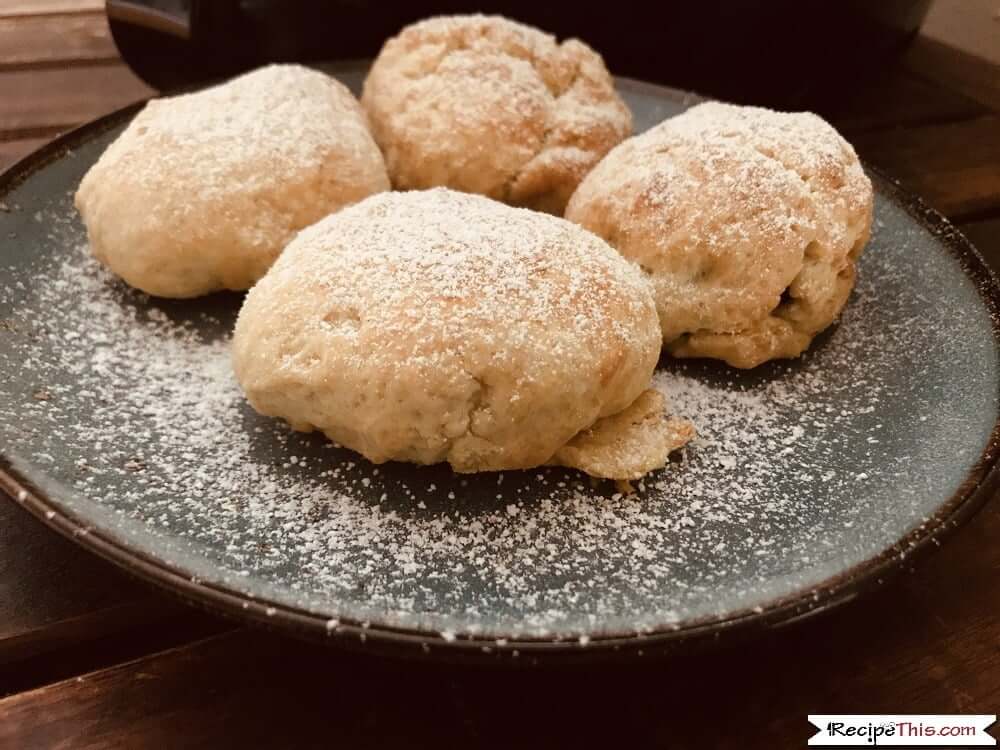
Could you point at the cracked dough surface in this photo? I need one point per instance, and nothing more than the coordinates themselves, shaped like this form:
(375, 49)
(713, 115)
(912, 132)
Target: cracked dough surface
(629, 444)
(486, 105)
(747, 221)
(433, 326)
(202, 191)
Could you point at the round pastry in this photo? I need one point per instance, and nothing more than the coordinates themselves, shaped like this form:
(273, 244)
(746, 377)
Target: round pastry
(748, 222)
(202, 191)
(434, 326)
(486, 105)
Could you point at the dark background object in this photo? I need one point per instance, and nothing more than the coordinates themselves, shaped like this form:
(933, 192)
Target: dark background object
(782, 53)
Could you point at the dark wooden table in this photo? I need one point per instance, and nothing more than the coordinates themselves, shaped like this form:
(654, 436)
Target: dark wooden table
(92, 658)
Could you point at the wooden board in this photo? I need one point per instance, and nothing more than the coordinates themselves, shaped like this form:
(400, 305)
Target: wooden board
(896, 98)
(53, 592)
(11, 151)
(11, 8)
(955, 70)
(37, 41)
(46, 101)
(955, 166)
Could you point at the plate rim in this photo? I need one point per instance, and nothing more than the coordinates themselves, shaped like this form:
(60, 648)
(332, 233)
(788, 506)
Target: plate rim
(981, 481)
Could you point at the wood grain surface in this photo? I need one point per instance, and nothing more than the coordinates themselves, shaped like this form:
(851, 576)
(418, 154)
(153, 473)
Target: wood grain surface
(65, 8)
(49, 101)
(90, 658)
(952, 165)
(37, 41)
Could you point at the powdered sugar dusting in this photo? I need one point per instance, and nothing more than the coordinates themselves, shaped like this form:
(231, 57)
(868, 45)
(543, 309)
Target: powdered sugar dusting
(747, 220)
(284, 115)
(436, 259)
(419, 325)
(126, 411)
(488, 105)
(796, 471)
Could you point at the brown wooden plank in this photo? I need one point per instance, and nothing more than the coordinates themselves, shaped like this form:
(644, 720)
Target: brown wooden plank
(970, 25)
(11, 151)
(896, 97)
(45, 7)
(142, 638)
(954, 166)
(928, 643)
(54, 593)
(48, 40)
(64, 610)
(955, 69)
(40, 100)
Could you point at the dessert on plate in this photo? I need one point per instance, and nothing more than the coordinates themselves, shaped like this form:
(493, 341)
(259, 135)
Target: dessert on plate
(437, 326)
(486, 105)
(202, 191)
(748, 222)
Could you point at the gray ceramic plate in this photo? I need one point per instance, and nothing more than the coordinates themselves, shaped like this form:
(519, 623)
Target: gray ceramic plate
(121, 426)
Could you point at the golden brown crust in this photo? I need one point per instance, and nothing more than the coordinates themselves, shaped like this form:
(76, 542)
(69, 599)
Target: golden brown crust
(432, 326)
(486, 105)
(629, 444)
(202, 191)
(747, 221)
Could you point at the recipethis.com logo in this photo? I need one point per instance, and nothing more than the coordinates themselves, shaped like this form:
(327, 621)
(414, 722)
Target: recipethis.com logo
(914, 730)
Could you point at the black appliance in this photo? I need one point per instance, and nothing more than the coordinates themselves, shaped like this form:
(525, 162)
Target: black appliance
(774, 52)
